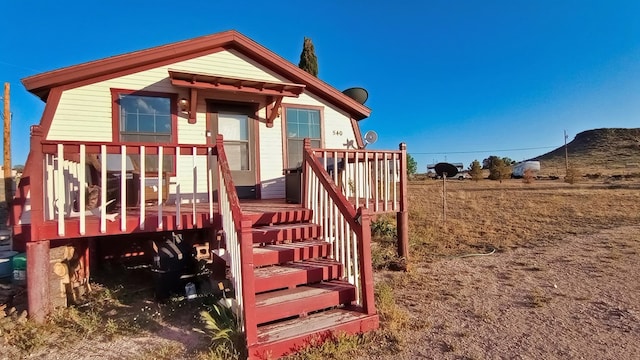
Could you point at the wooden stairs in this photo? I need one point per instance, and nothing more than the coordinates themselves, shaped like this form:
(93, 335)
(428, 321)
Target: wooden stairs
(300, 294)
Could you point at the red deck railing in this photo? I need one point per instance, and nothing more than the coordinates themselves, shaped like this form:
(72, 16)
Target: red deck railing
(374, 180)
(50, 201)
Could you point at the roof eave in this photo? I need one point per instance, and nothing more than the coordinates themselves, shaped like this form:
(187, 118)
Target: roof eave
(41, 84)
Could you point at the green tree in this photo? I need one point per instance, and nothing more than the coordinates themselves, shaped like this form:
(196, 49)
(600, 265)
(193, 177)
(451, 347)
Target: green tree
(507, 161)
(412, 165)
(499, 167)
(475, 170)
(308, 59)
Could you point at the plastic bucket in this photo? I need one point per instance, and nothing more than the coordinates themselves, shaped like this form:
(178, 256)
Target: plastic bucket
(6, 263)
(20, 269)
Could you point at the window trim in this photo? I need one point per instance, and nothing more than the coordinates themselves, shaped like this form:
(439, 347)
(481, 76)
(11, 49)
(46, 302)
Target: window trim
(173, 106)
(285, 138)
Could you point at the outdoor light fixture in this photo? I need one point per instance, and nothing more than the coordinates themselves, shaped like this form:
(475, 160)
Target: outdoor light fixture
(183, 104)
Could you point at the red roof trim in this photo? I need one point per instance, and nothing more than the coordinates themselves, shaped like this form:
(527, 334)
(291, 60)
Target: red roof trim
(41, 84)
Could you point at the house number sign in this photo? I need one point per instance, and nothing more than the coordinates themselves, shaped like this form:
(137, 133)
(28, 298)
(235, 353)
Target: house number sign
(337, 132)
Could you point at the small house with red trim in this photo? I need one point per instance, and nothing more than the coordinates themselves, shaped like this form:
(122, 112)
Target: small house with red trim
(207, 139)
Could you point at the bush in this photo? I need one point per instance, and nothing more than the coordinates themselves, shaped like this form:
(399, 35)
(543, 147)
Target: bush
(528, 176)
(573, 175)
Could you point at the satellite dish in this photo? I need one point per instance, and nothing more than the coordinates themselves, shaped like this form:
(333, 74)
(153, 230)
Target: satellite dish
(370, 137)
(358, 94)
(442, 168)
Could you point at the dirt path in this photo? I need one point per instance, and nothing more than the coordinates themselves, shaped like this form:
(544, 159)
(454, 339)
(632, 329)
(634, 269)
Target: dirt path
(575, 299)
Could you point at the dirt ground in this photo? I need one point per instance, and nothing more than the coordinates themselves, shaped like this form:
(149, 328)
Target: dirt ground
(563, 283)
(569, 299)
(572, 299)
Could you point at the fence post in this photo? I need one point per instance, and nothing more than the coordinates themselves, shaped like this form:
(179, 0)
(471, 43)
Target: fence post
(402, 217)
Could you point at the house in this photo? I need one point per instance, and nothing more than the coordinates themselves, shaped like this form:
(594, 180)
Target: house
(192, 138)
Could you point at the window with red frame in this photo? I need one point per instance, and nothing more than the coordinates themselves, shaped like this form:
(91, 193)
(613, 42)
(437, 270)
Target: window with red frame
(147, 119)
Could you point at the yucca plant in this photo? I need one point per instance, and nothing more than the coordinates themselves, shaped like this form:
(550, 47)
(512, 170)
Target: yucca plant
(221, 326)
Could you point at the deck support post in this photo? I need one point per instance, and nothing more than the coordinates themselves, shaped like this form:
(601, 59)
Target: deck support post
(402, 217)
(38, 292)
(366, 268)
(248, 286)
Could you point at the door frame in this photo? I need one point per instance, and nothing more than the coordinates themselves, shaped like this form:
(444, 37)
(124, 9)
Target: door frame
(253, 127)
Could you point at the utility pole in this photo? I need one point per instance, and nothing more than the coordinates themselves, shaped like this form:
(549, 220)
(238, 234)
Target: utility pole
(8, 179)
(566, 154)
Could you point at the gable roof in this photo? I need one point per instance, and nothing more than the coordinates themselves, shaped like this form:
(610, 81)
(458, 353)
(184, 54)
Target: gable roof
(111, 67)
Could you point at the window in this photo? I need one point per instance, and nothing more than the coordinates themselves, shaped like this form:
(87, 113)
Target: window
(235, 131)
(146, 118)
(301, 124)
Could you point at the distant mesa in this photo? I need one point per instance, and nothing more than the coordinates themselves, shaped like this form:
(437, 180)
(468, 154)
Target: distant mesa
(603, 151)
(358, 94)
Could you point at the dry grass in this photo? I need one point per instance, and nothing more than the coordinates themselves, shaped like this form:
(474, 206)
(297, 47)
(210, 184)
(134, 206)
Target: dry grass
(488, 215)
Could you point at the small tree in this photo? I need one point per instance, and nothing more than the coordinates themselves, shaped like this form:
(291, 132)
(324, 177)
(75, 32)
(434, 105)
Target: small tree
(499, 170)
(475, 170)
(412, 166)
(308, 59)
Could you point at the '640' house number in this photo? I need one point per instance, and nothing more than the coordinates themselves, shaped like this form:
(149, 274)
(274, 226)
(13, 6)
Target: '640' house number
(337, 132)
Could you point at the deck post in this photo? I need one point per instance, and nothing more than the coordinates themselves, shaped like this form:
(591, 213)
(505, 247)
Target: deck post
(402, 217)
(38, 292)
(36, 181)
(305, 177)
(366, 268)
(248, 287)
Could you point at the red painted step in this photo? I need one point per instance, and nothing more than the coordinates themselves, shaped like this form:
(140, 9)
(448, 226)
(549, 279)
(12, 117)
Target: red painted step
(302, 300)
(282, 253)
(293, 274)
(289, 216)
(282, 232)
(285, 337)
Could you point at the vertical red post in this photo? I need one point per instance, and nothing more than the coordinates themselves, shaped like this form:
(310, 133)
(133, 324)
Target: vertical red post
(38, 292)
(402, 217)
(36, 183)
(38, 298)
(366, 267)
(248, 285)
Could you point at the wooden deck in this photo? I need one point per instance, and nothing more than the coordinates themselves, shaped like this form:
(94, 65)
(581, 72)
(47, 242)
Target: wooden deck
(170, 217)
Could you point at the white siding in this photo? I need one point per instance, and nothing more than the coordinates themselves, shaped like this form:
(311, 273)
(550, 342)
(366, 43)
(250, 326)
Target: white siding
(334, 120)
(271, 159)
(85, 114)
(271, 163)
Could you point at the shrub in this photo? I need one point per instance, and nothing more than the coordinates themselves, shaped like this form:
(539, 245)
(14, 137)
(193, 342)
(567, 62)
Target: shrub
(573, 175)
(528, 176)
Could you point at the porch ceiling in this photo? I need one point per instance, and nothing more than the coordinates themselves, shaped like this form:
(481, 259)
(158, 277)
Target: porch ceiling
(196, 80)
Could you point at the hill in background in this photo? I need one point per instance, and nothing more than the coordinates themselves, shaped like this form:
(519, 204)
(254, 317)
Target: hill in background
(611, 151)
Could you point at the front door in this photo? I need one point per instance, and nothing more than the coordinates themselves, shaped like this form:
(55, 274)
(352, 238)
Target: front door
(236, 123)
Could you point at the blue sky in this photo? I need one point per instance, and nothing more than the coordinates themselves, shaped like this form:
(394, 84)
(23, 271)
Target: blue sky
(455, 80)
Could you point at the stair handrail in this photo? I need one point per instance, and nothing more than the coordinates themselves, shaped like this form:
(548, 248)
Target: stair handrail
(242, 265)
(359, 221)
